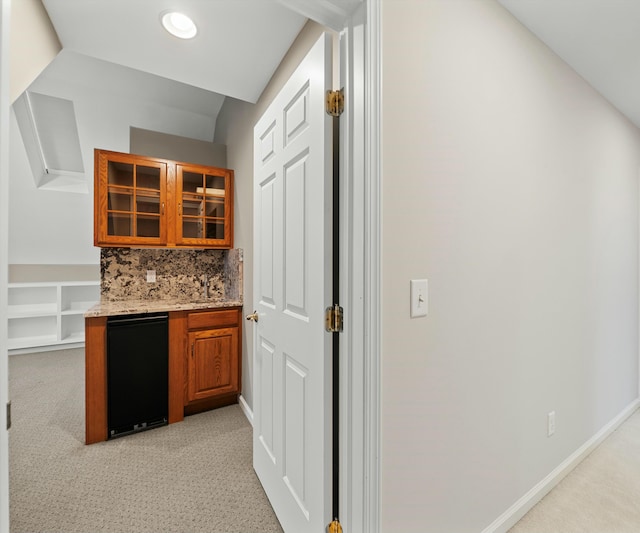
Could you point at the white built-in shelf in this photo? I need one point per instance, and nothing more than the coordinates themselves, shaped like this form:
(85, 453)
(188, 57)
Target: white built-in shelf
(22, 311)
(49, 313)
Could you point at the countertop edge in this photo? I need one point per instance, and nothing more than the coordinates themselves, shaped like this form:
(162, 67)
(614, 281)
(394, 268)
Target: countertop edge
(109, 308)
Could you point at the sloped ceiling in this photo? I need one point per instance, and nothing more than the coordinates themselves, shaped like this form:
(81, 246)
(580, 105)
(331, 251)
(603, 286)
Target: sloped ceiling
(600, 39)
(124, 82)
(239, 43)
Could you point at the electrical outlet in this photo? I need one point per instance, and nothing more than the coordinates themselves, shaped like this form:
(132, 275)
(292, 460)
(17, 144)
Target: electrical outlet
(151, 276)
(551, 423)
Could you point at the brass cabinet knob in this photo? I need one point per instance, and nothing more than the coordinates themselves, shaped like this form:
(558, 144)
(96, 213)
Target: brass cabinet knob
(253, 316)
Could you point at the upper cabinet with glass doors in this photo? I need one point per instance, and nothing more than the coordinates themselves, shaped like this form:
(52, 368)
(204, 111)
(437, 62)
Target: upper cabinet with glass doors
(143, 201)
(205, 198)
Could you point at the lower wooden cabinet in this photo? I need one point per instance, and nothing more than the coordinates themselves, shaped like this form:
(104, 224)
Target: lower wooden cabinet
(205, 365)
(213, 362)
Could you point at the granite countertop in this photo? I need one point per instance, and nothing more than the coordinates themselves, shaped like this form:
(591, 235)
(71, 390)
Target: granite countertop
(132, 307)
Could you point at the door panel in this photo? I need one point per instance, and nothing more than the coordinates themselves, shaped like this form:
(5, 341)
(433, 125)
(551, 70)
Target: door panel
(212, 364)
(296, 239)
(296, 113)
(294, 430)
(266, 243)
(264, 426)
(292, 239)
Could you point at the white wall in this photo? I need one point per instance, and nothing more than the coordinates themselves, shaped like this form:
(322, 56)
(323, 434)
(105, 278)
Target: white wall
(165, 146)
(50, 227)
(46, 227)
(234, 127)
(34, 43)
(512, 186)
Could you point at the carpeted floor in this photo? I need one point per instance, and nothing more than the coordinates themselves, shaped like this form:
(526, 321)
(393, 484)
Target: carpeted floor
(601, 495)
(196, 476)
(193, 476)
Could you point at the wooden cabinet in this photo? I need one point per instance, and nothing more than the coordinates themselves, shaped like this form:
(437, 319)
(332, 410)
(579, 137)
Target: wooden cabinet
(212, 376)
(213, 362)
(144, 201)
(130, 200)
(205, 371)
(95, 353)
(205, 200)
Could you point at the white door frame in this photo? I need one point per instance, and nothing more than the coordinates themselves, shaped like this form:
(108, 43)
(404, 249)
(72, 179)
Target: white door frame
(373, 263)
(360, 271)
(5, 111)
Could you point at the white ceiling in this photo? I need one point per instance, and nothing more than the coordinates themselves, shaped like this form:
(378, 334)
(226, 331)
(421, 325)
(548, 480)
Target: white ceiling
(239, 44)
(600, 39)
(100, 77)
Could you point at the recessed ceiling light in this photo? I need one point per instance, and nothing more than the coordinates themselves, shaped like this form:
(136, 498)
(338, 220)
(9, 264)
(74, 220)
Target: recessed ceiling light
(179, 24)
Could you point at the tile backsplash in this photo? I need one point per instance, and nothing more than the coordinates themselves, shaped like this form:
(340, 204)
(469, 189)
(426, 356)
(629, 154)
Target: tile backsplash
(179, 274)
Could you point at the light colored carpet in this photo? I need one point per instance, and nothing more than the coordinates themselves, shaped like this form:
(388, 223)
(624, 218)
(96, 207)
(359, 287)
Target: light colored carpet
(193, 476)
(601, 495)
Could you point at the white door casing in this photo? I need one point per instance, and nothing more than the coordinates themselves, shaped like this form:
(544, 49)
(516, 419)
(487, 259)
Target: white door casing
(4, 262)
(292, 288)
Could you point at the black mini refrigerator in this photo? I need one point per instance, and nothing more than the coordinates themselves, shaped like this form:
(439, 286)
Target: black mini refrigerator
(137, 373)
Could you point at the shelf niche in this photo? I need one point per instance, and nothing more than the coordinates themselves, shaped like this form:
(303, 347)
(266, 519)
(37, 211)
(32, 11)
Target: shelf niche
(42, 315)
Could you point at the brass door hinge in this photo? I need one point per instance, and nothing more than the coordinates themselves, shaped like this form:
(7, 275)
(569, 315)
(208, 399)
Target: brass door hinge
(333, 319)
(335, 103)
(8, 416)
(334, 527)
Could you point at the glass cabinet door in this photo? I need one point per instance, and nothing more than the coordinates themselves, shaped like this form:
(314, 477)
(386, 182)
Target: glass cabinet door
(204, 206)
(135, 200)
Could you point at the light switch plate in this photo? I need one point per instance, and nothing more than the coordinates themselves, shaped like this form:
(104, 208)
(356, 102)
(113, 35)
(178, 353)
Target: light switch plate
(419, 297)
(151, 276)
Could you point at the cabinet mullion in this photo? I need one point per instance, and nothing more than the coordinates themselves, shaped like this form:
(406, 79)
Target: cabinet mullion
(135, 200)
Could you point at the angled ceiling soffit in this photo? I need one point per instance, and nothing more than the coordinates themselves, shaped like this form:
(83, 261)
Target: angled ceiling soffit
(49, 131)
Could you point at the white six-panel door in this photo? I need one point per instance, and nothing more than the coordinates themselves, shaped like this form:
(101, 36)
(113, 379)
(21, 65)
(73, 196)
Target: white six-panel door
(292, 258)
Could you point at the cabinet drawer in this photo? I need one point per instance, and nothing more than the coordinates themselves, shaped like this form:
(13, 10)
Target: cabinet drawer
(206, 319)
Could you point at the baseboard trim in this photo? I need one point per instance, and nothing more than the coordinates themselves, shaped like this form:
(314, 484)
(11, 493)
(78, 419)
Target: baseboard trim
(512, 515)
(47, 348)
(246, 409)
